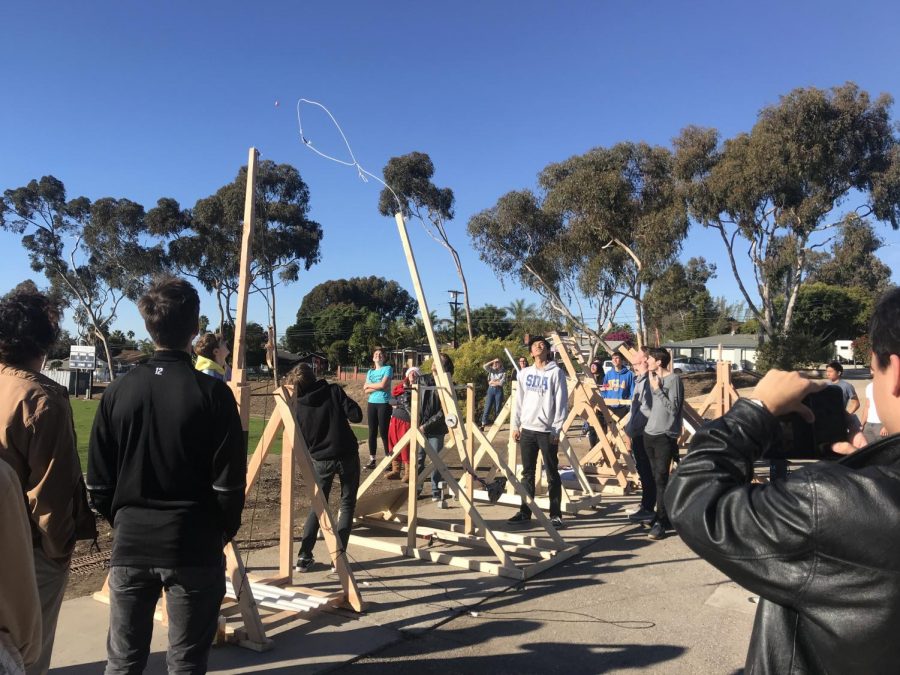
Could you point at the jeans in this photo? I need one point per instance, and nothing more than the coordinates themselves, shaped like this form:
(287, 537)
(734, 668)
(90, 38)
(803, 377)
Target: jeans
(348, 469)
(494, 399)
(645, 472)
(379, 417)
(437, 444)
(529, 444)
(660, 451)
(52, 577)
(193, 598)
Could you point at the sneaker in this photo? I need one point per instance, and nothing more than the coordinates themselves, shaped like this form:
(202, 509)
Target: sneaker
(435, 496)
(557, 522)
(657, 532)
(372, 463)
(642, 515)
(633, 509)
(304, 564)
(520, 517)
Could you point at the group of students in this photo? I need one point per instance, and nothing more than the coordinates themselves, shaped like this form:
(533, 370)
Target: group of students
(653, 395)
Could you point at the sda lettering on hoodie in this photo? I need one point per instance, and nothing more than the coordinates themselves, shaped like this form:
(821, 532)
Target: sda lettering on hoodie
(536, 382)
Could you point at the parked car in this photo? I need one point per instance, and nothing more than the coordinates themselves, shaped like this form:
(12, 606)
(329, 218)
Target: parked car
(607, 366)
(689, 364)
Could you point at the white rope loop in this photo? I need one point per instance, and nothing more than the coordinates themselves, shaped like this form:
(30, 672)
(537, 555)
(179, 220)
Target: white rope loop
(361, 172)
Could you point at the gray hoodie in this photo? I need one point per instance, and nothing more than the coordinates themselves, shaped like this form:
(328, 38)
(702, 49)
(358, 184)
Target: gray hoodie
(641, 405)
(541, 399)
(665, 413)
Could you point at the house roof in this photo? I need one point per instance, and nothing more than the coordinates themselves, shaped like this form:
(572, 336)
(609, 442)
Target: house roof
(727, 341)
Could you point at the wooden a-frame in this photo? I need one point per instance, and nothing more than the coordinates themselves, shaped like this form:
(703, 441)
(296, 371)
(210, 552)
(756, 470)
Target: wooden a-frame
(614, 468)
(474, 533)
(295, 458)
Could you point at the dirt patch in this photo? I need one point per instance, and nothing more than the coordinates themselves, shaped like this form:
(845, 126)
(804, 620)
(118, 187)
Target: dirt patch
(700, 384)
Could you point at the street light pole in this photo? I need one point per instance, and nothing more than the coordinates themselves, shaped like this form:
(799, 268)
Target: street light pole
(454, 303)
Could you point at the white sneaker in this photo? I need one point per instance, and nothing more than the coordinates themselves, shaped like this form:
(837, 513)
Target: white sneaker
(632, 509)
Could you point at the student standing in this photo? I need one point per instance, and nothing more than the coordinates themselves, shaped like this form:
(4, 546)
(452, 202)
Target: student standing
(541, 407)
(324, 413)
(37, 439)
(662, 430)
(378, 412)
(167, 466)
(496, 379)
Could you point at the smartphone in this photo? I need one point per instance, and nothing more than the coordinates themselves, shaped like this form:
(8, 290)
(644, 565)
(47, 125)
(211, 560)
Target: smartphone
(802, 440)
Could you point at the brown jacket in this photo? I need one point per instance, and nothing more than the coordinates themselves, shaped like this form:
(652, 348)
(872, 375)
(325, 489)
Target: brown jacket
(37, 439)
(20, 606)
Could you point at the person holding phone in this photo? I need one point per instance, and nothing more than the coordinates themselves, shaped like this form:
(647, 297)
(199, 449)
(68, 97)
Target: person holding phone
(818, 547)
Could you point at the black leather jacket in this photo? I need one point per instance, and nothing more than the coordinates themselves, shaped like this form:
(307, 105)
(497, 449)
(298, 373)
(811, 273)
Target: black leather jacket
(822, 548)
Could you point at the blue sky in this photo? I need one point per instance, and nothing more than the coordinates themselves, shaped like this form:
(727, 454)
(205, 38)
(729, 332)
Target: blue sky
(146, 100)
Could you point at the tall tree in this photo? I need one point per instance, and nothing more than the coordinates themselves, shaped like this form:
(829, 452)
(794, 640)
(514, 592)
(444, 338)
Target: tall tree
(678, 303)
(93, 254)
(409, 176)
(609, 221)
(384, 296)
(773, 192)
(206, 243)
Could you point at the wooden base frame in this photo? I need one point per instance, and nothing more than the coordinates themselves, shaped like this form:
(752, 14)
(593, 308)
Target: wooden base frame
(482, 548)
(478, 535)
(295, 458)
(608, 464)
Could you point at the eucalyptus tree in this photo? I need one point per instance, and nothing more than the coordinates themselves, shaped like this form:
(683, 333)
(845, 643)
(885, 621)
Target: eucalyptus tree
(94, 254)
(605, 224)
(774, 194)
(409, 177)
(206, 242)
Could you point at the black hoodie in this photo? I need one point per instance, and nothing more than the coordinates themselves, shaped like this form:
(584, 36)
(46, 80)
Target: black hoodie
(324, 413)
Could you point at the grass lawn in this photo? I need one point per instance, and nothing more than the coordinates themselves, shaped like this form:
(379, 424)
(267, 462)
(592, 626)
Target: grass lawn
(83, 412)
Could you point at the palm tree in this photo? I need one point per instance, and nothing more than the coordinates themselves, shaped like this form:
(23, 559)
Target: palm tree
(522, 314)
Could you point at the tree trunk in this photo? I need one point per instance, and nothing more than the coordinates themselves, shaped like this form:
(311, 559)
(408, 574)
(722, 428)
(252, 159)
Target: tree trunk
(271, 281)
(462, 280)
(99, 335)
(221, 313)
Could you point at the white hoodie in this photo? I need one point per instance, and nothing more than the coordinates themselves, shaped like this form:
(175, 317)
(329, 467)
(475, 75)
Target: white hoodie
(541, 399)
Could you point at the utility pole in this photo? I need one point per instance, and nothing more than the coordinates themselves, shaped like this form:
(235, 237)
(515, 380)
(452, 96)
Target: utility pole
(454, 303)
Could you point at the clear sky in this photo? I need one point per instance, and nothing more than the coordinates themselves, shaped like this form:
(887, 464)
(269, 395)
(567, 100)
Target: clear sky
(163, 99)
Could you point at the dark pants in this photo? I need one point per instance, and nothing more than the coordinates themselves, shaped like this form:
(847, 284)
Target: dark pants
(348, 469)
(660, 451)
(193, 598)
(494, 399)
(437, 444)
(379, 415)
(645, 473)
(529, 444)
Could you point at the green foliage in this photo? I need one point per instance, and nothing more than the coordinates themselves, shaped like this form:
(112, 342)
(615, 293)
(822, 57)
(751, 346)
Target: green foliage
(377, 294)
(862, 349)
(778, 187)
(607, 222)
(93, 254)
(853, 261)
(793, 351)
(678, 303)
(470, 357)
(824, 313)
(491, 322)
(833, 312)
(206, 242)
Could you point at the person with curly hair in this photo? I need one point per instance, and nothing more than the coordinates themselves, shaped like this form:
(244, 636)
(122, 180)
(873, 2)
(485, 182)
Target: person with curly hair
(37, 439)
